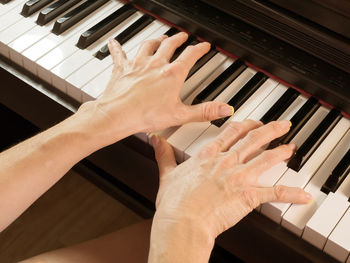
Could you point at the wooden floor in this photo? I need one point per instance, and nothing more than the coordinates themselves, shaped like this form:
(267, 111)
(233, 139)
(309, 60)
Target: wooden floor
(74, 210)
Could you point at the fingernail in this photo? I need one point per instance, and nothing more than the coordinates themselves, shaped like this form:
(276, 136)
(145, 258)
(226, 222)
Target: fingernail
(226, 110)
(309, 197)
(183, 34)
(290, 124)
(155, 140)
(285, 124)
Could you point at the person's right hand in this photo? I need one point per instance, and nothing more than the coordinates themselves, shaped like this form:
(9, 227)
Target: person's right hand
(216, 188)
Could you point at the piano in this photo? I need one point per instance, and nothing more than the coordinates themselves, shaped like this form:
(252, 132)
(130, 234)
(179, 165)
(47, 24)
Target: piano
(269, 59)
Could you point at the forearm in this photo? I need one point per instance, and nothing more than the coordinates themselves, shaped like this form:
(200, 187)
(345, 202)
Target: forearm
(179, 242)
(30, 168)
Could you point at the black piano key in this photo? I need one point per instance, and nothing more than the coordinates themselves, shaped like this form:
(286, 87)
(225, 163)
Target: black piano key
(54, 10)
(4, 1)
(220, 83)
(32, 6)
(128, 33)
(314, 140)
(75, 15)
(298, 121)
(202, 61)
(190, 41)
(105, 25)
(338, 175)
(280, 106)
(243, 94)
(172, 31)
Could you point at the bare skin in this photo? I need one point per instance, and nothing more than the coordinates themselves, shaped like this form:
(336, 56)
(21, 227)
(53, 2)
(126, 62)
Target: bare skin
(143, 96)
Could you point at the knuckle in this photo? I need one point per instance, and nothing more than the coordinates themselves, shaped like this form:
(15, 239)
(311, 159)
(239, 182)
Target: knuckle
(250, 197)
(280, 192)
(254, 135)
(235, 127)
(275, 126)
(190, 49)
(208, 150)
(208, 112)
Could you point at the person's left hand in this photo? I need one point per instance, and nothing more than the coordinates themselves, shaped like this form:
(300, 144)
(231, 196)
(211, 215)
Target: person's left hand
(143, 93)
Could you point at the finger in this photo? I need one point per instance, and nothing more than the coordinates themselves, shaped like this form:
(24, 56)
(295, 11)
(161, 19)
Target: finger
(190, 56)
(117, 53)
(207, 111)
(168, 46)
(148, 47)
(230, 135)
(234, 132)
(164, 155)
(268, 159)
(283, 194)
(257, 138)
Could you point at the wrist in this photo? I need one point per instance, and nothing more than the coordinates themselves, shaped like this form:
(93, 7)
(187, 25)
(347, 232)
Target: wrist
(105, 124)
(183, 240)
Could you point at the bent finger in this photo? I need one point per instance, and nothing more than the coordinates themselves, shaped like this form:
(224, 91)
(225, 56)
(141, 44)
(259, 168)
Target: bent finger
(117, 53)
(164, 155)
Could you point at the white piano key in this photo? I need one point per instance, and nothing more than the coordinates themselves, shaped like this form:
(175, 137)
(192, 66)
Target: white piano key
(267, 103)
(81, 57)
(240, 115)
(43, 46)
(298, 215)
(14, 31)
(10, 6)
(293, 108)
(96, 86)
(292, 178)
(55, 56)
(30, 37)
(187, 133)
(325, 219)
(91, 69)
(338, 243)
(200, 75)
(11, 17)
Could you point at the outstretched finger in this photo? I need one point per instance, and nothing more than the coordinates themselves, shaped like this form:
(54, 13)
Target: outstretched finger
(283, 194)
(257, 138)
(233, 133)
(164, 155)
(117, 53)
(269, 158)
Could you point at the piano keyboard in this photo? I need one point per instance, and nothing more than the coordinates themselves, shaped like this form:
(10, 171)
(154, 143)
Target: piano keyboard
(64, 44)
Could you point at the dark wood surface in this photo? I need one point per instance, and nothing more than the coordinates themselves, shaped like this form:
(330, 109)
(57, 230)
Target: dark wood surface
(127, 170)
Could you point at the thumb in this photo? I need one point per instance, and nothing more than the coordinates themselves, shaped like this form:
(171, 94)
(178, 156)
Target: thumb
(208, 111)
(164, 155)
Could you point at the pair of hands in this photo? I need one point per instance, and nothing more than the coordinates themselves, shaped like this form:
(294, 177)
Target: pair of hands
(217, 187)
